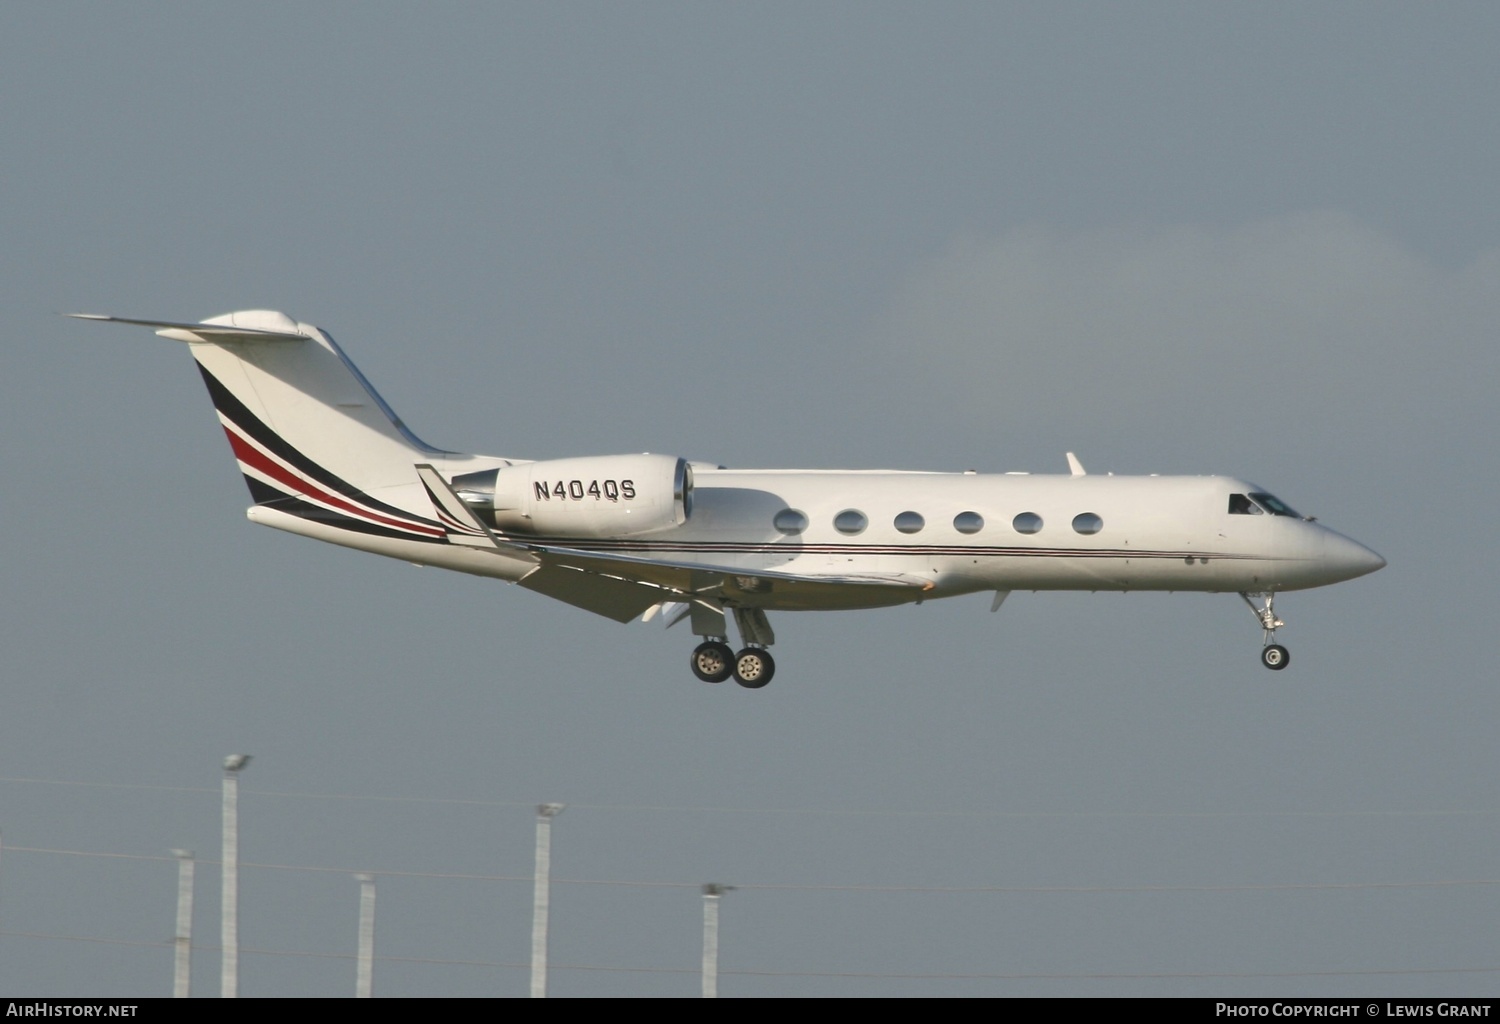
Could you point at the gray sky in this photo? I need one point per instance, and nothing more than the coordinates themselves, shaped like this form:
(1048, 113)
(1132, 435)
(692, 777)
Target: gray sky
(1173, 238)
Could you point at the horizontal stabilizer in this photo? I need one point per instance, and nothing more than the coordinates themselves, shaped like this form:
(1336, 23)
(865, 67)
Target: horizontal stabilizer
(204, 332)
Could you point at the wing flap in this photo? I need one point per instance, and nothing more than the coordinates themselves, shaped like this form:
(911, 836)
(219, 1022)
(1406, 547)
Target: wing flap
(609, 596)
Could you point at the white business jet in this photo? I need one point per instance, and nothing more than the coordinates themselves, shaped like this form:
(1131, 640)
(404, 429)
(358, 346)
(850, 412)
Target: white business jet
(627, 536)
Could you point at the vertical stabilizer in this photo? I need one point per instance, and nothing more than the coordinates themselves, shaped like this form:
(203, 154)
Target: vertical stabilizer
(307, 395)
(311, 435)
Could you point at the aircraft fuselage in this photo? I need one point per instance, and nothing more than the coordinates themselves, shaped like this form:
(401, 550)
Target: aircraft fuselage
(1150, 533)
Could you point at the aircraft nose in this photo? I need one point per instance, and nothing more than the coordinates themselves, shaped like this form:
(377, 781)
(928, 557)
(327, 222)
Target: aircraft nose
(1349, 558)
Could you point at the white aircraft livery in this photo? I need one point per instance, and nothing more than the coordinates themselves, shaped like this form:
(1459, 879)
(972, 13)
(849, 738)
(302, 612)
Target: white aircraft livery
(636, 536)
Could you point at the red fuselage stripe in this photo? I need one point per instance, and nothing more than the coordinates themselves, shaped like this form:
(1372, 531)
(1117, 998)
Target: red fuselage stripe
(258, 460)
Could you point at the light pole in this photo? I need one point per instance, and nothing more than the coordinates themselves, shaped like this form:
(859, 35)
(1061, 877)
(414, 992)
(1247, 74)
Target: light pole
(183, 961)
(541, 897)
(711, 895)
(229, 982)
(364, 973)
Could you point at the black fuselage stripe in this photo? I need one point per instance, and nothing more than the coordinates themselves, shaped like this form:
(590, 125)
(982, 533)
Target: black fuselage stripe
(254, 428)
(295, 506)
(664, 548)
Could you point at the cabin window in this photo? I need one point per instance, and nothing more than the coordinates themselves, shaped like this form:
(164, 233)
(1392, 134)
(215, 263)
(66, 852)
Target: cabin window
(850, 521)
(968, 522)
(1027, 522)
(1087, 523)
(1274, 505)
(790, 521)
(910, 522)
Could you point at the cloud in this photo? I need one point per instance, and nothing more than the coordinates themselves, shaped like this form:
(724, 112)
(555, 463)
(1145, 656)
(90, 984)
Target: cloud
(1312, 322)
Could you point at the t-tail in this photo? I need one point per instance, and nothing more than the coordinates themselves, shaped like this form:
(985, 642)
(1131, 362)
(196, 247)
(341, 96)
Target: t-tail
(312, 437)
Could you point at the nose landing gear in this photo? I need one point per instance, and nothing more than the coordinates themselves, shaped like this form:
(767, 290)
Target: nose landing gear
(1272, 655)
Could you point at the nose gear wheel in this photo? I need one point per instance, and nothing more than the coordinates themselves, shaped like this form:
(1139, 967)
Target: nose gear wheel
(1272, 655)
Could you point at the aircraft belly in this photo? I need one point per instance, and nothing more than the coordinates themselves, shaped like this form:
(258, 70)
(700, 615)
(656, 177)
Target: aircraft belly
(445, 556)
(837, 598)
(1087, 571)
(835, 593)
(1207, 572)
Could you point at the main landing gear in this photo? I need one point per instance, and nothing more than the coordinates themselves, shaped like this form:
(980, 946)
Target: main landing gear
(1272, 655)
(714, 661)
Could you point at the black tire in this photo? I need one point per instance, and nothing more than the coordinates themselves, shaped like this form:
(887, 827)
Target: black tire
(1275, 657)
(754, 667)
(712, 661)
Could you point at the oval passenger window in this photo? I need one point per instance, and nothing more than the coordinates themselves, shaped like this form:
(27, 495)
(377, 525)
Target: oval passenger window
(1027, 522)
(850, 521)
(910, 522)
(1087, 522)
(790, 521)
(968, 522)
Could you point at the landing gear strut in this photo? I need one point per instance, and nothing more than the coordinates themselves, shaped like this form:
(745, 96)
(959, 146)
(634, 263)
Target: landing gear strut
(1272, 655)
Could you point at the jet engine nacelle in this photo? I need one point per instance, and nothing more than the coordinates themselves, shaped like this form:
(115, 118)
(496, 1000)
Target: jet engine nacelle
(599, 496)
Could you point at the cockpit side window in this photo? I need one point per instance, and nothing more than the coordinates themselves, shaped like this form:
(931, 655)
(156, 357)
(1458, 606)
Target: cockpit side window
(1274, 505)
(1241, 505)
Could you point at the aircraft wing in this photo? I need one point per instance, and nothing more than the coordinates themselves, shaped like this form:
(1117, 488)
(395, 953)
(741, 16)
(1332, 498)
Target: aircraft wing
(622, 587)
(670, 580)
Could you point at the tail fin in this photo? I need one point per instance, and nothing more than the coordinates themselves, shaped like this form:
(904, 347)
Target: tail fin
(304, 423)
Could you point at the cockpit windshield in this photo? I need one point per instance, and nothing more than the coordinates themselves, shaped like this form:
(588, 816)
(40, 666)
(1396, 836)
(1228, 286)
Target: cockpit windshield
(1274, 505)
(1259, 504)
